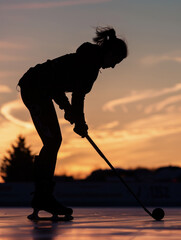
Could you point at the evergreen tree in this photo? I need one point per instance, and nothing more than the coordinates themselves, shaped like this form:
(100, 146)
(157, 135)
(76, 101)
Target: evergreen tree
(18, 165)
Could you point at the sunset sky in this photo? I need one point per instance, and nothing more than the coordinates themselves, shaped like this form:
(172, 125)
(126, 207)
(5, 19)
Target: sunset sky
(133, 111)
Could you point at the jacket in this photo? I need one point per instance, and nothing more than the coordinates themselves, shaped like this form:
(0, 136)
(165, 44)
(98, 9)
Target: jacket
(74, 72)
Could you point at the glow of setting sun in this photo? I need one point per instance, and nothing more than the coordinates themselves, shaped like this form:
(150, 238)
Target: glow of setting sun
(133, 111)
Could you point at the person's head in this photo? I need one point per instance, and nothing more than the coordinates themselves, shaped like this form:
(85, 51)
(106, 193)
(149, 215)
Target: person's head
(114, 49)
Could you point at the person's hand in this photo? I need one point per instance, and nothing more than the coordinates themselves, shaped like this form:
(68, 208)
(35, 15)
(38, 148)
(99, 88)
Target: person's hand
(69, 116)
(81, 129)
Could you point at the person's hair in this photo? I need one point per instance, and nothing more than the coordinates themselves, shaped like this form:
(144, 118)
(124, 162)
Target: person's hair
(106, 39)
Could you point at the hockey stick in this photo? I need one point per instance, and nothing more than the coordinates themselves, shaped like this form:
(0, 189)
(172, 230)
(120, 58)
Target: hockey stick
(117, 174)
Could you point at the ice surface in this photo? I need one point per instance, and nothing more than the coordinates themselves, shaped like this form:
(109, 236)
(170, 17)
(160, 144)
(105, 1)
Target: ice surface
(92, 223)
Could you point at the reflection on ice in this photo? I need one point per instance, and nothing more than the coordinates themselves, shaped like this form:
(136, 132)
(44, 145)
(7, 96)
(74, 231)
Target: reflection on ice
(92, 223)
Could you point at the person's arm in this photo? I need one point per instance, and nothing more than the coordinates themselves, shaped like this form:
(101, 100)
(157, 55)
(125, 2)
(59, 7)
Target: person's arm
(62, 100)
(78, 113)
(78, 106)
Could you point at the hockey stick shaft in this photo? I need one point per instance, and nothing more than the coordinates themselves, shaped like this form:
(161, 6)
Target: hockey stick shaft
(116, 173)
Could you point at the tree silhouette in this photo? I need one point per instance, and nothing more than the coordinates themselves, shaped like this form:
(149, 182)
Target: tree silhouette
(18, 166)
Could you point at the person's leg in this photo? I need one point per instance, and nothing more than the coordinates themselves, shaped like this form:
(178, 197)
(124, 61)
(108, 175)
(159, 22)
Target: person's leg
(47, 126)
(46, 123)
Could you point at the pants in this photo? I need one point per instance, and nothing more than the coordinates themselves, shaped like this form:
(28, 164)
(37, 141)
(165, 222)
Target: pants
(45, 120)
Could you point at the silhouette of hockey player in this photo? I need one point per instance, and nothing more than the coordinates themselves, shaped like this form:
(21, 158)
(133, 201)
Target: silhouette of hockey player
(75, 73)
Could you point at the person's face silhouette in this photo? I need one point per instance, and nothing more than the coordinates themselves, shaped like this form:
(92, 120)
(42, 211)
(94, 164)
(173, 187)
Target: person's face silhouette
(110, 60)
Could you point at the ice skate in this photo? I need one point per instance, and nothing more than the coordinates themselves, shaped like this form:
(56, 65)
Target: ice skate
(52, 206)
(44, 200)
(55, 218)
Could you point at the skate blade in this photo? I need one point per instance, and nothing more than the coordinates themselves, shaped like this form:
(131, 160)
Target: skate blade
(34, 217)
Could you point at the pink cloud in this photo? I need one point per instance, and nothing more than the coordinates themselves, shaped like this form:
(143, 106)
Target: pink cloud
(11, 45)
(38, 5)
(11, 58)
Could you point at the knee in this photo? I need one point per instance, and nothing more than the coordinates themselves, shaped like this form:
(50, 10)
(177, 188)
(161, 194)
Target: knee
(58, 142)
(53, 143)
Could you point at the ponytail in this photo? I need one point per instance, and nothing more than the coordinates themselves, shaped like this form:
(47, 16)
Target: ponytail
(104, 34)
(107, 40)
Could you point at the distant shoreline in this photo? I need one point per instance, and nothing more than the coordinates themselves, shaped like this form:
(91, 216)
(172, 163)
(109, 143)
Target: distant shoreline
(84, 193)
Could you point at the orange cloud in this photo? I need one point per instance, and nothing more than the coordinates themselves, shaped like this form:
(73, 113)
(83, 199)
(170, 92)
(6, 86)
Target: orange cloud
(6, 111)
(156, 107)
(139, 96)
(5, 89)
(156, 59)
(110, 125)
